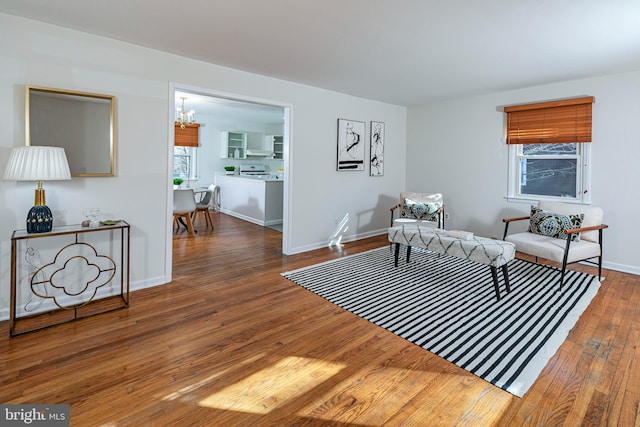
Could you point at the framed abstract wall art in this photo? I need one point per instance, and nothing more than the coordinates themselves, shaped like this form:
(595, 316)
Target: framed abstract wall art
(350, 145)
(376, 152)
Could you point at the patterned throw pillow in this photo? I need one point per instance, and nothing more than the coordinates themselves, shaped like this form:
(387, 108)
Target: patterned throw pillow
(554, 225)
(420, 210)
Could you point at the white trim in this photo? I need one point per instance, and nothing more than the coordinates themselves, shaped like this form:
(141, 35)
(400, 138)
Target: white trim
(250, 219)
(327, 243)
(134, 286)
(583, 178)
(552, 199)
(621, 267)
(287, 155)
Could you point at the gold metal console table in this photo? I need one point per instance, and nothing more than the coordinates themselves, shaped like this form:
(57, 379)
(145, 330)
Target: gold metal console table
(78, 281)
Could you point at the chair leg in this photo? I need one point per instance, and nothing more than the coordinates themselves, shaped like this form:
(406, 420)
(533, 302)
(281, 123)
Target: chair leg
(190, 225)
(187, 222)
(494, 274)
(207, 217)
(600, 267)
(408, 253)
(194, 216)
(564, 269)
(186, 219)
(600, 257)
(564, 261)
(397, 252)
(505, 273)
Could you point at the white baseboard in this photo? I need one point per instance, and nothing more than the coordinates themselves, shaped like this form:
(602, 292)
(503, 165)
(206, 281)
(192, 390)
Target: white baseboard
(134, 286)
(621, 267)
(334, 242)
(245, 217)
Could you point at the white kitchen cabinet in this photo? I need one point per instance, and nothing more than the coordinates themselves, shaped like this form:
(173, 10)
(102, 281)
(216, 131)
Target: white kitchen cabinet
(255, 200)
(275, 144)
(234, 145)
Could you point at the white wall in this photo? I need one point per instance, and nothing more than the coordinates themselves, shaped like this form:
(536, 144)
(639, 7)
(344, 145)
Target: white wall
(457, 147)
(33, 53)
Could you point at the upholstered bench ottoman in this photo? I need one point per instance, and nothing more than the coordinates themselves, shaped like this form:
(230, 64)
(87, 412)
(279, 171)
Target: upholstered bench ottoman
(491, 252)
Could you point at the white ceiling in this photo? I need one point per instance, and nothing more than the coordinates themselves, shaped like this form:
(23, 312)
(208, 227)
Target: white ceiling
(229, 110)
(405, 52)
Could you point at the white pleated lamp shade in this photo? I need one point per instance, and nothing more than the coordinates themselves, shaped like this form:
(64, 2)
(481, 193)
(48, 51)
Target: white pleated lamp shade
(37, 163)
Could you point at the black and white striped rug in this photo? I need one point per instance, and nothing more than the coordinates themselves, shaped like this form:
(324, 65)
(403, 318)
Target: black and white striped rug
(448, 306)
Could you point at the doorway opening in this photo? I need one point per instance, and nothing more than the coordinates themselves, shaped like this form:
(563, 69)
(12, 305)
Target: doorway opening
(259, 120)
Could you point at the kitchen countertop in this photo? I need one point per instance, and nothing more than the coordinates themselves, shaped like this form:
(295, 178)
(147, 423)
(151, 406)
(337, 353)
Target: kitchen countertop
(266, 177)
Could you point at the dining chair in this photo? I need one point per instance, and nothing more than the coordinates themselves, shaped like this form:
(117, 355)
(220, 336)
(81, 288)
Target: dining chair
(184, 205)
(203, 206)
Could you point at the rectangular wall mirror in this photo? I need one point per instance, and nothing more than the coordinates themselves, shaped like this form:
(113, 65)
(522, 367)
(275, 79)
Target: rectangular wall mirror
(82, 123)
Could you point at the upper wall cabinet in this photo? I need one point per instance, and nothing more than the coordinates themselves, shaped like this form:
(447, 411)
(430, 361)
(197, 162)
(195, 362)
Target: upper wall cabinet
(187, 136)
(275, 143)
(234, 145)
(82, 123)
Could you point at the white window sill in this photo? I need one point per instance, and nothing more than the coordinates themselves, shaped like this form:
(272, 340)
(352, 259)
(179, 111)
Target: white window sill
(523, 200)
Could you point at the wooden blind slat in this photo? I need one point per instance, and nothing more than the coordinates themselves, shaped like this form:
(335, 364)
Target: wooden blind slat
(552, 122)
(187, 137)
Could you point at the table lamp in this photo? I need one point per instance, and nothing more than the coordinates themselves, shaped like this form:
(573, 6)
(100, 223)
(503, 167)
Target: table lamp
(38, 163)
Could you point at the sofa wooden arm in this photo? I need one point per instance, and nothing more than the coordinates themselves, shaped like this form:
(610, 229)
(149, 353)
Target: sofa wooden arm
(393, 208)
(519, 218)
(582, 229)
(509, 220)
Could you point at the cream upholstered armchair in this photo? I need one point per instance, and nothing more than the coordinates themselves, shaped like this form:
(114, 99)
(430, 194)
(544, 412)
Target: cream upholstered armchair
(419, 208)
(561, 232)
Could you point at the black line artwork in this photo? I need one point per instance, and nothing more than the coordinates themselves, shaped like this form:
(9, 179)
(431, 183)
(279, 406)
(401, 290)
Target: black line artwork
(376, 158)
(350, 145)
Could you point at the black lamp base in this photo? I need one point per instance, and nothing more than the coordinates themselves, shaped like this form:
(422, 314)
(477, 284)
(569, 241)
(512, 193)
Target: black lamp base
(39, 220)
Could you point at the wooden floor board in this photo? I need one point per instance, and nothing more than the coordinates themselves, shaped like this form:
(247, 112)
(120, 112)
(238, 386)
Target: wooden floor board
(231, 342)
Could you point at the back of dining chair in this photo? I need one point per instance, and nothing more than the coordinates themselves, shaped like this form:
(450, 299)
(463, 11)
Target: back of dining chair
(206, 199)
(215, 197)
(184, 201)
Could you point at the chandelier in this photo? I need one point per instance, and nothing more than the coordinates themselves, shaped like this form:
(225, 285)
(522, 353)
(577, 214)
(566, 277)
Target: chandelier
(185, 118)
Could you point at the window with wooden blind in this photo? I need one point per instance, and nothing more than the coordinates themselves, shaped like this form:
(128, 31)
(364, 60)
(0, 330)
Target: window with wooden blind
(185, 150)
(553, 122)
(549, 150)
(187, 137)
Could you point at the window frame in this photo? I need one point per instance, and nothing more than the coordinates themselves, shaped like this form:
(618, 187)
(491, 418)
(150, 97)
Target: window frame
(583, 175)
(192, 154)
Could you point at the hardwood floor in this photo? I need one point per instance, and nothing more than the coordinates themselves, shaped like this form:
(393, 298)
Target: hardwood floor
(231, 343)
